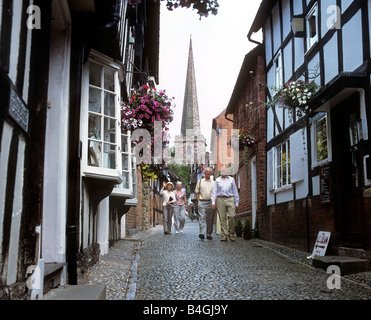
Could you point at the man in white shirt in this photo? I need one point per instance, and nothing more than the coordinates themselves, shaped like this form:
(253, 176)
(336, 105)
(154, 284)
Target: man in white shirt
(203, 191)
(225, 196)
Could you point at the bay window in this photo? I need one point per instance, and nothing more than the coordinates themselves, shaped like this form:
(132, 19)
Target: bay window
(101, 118)
(128, 187)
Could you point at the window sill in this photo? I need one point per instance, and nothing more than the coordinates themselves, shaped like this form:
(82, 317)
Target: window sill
(103, 174)
(284, 188)
(131, 202)
(123, 193)
(321, 163)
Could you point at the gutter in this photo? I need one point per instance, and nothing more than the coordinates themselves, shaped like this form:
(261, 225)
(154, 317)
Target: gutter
(226, 116)
(251, 40)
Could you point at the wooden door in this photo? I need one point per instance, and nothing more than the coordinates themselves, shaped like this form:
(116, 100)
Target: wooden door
(348, 171)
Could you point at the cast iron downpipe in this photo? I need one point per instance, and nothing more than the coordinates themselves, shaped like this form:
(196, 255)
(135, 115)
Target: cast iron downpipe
(73, 193)
(79, 53)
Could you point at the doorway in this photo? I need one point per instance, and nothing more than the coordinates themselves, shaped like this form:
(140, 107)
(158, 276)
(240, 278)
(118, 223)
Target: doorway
(348, 172)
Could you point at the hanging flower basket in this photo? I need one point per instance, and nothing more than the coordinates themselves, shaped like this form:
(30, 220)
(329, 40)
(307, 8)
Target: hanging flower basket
(244, 138)
(144, 108)
(295, 96)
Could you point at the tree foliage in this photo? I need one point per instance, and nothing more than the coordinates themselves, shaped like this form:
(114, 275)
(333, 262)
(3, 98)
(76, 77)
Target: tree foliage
(203, 7)
(184, 172)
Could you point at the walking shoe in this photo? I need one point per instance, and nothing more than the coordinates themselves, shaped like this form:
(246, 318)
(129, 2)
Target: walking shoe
(202, 237)
(224, 239)
(232, 238)
(209, 238)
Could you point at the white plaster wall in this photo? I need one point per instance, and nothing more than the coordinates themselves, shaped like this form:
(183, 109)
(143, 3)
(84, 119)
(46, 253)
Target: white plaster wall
(287, 62)
(330, 52)
(325, 5)
(286, 18)
(276, 28)
(16, 216)
(353, 43)
(268, 41)
(4, 156)
(103, 226)
(15, 39)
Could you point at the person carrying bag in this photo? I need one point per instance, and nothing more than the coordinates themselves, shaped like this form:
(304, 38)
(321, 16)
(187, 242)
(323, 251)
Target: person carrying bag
(168, 197)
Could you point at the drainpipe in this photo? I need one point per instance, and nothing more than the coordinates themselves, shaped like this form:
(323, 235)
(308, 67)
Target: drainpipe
(74, 155)
(309, 152)
(307, 221)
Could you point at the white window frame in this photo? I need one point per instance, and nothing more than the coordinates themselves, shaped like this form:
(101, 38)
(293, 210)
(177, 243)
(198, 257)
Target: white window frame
(311, 41)
(314, 122)
(131, 191)
(88, 170)
(279, 165)
(278, 71)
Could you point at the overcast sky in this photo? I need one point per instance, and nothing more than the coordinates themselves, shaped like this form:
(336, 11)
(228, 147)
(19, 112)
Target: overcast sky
(219, 46)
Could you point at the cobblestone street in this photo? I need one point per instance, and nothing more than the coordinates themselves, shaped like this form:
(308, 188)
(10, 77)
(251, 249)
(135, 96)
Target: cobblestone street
(153, 266)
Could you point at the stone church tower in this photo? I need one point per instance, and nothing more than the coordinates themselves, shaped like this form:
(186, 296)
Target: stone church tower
(190, 146)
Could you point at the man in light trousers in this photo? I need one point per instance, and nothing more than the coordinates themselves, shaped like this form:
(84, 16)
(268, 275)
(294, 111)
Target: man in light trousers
(206, 213)
(225, 196)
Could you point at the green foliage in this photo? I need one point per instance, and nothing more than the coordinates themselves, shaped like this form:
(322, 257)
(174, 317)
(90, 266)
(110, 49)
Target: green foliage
(247, 226)
(184, 172)
(238, 225)
(203, 7)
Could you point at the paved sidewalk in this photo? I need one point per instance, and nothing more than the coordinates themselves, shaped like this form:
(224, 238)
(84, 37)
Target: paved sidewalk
(152, 266)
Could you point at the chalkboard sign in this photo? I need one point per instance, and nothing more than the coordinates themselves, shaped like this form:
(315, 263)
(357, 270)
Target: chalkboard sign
(325, 184)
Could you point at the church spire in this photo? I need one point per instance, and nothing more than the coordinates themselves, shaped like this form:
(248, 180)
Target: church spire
(190, 146)
(191, 117)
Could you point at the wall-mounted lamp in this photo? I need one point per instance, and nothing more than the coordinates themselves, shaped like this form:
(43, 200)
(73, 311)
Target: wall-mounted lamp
(297, 26)
(152, 82)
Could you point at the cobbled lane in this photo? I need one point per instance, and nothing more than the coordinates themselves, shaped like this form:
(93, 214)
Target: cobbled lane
(183, 267)
(152, 266)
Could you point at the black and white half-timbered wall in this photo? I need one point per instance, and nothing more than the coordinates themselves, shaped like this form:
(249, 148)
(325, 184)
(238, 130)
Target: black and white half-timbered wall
(66, 167)
(318, 168)
(24, 66)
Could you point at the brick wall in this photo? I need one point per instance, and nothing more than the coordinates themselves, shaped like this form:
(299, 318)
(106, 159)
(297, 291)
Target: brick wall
(251, 112)
(141, 216)
(296, 224)
(134, 214)
(222, 141)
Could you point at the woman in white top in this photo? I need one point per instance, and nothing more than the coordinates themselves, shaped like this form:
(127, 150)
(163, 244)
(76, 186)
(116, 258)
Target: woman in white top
(168, 197)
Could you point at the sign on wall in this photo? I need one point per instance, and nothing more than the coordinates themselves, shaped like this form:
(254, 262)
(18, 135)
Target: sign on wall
(325, 184)
(18, 110)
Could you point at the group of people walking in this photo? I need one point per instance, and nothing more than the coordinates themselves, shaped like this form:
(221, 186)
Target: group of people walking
(220, 195)
(174, 203)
